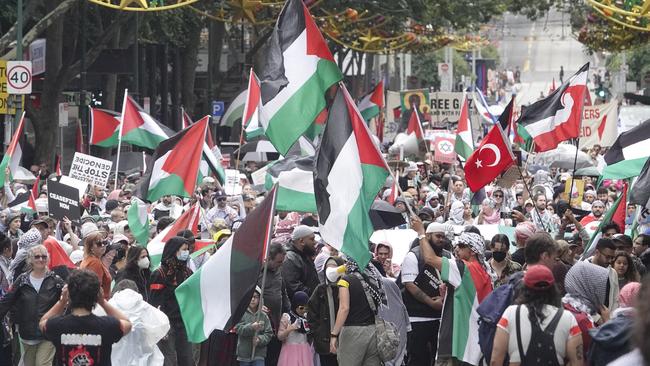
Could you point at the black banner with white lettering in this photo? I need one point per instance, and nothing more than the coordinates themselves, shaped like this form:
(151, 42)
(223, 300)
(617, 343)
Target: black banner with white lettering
(63, 201)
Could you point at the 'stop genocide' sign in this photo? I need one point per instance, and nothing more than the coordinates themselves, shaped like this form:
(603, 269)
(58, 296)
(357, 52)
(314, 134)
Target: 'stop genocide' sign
(90, 169)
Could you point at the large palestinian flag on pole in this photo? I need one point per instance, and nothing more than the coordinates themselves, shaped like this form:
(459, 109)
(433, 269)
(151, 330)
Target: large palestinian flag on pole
(296, 71)
(138, 218)
(189, 220)
(464, 145)
(14, 153)
(628, 154)
(348, 173)
(217, 295)
(175, 165)
(251, 118)
(557, 117)
(234, 111)
(295, 179)
(139, 128)
(104, 127)
(372, 104)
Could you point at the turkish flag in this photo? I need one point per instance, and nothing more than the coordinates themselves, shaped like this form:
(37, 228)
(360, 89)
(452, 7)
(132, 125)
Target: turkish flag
(491, 158)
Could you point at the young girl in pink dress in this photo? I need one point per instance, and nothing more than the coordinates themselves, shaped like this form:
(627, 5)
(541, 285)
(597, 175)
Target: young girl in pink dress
(296, 350)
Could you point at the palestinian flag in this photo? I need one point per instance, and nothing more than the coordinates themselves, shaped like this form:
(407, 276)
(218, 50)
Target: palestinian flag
(295, 179)
(235, 110)
(210, 161)
(640, 195)
(138, 218)
(464, 145)
(297, 70)
(607, 218)
(316, 128)
(414, 127)
(372, 104)
(251, 121)
(175, 165)
(468, 285)
(57, 165)
(557, 117)
(79, 139)
(394, 192)
(217, 295)
(186, 120)
(189, 220)
(139, 128)
(14, 153)
(482, 107)
(24, 202)
(628, 154)
(348, 173)
(104, 127)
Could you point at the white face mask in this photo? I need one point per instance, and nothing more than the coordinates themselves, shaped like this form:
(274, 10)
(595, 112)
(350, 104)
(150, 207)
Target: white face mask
(143, 263)
(183, 255)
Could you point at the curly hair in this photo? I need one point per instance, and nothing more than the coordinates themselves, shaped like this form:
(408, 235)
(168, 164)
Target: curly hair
(83, 287)
(631, 275)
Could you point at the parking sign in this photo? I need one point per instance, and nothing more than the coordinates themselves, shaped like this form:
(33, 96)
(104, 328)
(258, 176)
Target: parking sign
(217, 108)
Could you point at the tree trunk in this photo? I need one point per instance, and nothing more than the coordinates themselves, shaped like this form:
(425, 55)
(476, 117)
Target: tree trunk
(46, 121)
(189, 61)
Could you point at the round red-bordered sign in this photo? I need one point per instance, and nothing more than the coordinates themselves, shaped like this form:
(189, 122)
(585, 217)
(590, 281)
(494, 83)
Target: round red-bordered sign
(23, 84)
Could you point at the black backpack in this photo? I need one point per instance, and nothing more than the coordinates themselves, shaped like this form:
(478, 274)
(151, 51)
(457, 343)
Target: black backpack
(541, 348)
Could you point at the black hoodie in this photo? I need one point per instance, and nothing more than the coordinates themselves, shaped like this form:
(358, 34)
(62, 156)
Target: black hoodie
(166, 278)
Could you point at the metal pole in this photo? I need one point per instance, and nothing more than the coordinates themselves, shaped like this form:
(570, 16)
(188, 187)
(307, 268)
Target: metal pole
(136, 61)
(82, 75)
(19, 53)
(119, 138)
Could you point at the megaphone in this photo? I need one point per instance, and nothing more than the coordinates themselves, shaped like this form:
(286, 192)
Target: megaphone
(408, 142)
(334, 273)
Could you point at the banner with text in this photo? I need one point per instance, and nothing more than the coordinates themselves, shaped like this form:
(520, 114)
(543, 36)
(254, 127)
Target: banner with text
(445, 108)
(63, 201)
(599, 125)
(91, 169)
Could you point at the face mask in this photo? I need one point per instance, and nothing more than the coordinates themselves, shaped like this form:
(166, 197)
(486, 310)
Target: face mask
(143, 263)
(183, 256)
(499, 256)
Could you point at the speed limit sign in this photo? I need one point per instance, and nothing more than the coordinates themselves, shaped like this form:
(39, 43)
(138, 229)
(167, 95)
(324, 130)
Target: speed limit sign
(19, 77)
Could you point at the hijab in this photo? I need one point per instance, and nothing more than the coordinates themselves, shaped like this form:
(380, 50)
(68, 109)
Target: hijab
(586, 287)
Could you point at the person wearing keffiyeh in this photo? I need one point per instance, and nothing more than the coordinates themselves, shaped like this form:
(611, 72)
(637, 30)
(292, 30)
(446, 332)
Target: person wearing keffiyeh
(353, 337)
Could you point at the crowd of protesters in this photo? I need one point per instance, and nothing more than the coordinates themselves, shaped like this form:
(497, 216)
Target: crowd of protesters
(511, 275)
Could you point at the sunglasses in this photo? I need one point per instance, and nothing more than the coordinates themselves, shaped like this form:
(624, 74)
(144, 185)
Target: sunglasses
(43, 257)
(102, 243)
(498, 196)
(221, 199)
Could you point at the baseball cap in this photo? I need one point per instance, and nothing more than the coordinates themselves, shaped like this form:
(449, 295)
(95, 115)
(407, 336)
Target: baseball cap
(538, 277)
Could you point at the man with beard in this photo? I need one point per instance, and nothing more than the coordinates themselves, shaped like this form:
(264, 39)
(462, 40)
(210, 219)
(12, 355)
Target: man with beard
(423, 297)
(221, 210)
(541, 217)
(298, 270)
(597, 210)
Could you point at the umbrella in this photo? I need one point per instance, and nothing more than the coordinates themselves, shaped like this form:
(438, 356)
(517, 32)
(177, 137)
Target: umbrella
(260, 150)
(563, 157)
(591, 171)
(384, 216)
(131, 161)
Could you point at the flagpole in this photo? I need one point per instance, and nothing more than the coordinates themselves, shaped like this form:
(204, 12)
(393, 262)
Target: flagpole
(531, 196)
(264, 268)
(119, 139)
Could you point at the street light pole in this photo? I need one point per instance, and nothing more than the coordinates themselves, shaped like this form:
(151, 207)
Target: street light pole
(19, 55)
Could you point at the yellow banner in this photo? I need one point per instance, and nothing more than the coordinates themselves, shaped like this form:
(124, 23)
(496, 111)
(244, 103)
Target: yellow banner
(4, 96)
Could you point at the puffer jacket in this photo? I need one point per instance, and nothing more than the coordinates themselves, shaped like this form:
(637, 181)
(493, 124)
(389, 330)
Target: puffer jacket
(27, 306)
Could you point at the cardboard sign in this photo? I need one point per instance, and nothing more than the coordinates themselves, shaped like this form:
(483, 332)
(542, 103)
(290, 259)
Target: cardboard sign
(444, 150)
(232, 186)
(259, 176)
(63, 201)
(446, 106)
(91, 169)
(599, 125)
(577, 192)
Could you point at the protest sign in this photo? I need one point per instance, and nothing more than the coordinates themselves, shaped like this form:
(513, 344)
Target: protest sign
(232, 186)
(599, 125)
(90, 169)
(259, 176)
(418, 97)
(444, 150)
(63, 201)
(80, 185)
(576, 188)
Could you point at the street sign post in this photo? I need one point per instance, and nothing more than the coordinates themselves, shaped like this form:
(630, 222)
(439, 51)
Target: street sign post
(446, 75)
(218, 108)
(19, 77)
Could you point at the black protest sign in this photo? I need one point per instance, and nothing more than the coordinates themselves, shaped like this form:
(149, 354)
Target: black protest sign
(63, 201)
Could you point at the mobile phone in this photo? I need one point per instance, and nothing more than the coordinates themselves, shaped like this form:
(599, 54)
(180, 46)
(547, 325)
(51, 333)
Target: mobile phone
(506, 215)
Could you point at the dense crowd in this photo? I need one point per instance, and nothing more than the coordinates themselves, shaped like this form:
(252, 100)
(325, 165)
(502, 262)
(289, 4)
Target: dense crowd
(509, 275)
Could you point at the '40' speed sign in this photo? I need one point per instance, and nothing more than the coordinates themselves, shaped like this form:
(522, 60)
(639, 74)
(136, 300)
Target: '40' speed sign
(19, 77)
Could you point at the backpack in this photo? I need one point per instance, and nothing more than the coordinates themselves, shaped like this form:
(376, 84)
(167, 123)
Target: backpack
(541, 351)
(489, 313)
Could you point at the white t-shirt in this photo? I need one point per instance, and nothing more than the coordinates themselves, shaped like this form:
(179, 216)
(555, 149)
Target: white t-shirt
(36, 282)
(566, 328)
(409, 272)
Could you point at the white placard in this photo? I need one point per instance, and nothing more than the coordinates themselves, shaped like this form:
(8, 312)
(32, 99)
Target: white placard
(90, 169)
(232, 186)
(63, 114)
(81, 186)
(259, 176)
